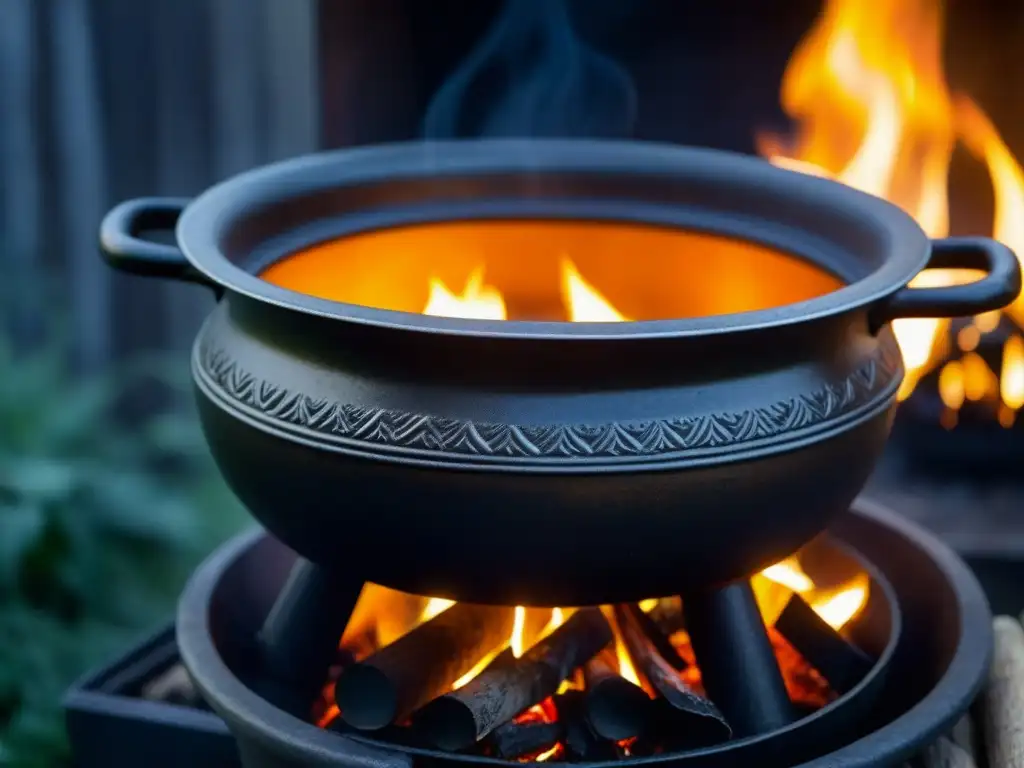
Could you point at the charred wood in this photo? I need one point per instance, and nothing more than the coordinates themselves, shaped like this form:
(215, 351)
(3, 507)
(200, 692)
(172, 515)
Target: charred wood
(462, 717)
(512, 741)
(581, 743)
(657, 636)
(421, 665)
(616, 709)
(839, 661)
(695, 718)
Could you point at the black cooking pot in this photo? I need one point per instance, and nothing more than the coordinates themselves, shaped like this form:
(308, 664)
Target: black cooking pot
(553, 462)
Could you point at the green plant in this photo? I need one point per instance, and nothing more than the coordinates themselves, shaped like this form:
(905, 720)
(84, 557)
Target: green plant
(101, 519)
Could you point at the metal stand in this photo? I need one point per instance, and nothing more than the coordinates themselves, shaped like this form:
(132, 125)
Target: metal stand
(299, 638)
(736, 659)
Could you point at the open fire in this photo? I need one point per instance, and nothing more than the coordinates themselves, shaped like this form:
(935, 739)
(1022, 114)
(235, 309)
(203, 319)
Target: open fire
(582, 301)
(873, 110)
(616, 666)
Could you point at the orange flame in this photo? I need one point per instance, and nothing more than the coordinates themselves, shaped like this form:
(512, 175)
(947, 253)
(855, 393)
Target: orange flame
(789, 574)
(625, 662)
(867, 90)
(836, 606)
(476, 302)
(516, 643)
(383, 615)
(583, 302)
(434, 607)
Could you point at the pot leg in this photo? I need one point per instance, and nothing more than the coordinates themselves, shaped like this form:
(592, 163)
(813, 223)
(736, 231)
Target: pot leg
(299, 637)
(736, 659)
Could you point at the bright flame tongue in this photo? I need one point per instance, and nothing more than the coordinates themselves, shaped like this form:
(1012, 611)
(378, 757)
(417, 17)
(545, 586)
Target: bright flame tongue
(583, 302)
(836, 607)
(476, 302)
(867, 90)
(582, 299)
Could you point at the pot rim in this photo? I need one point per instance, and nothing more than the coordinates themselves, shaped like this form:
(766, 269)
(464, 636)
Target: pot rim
(208, 221)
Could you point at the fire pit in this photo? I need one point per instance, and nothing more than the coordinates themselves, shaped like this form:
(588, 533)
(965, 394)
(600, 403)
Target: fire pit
(925, 624)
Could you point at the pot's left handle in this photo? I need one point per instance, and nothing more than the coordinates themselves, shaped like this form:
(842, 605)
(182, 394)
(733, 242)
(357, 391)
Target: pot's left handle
(1000, 285)
(125, 248)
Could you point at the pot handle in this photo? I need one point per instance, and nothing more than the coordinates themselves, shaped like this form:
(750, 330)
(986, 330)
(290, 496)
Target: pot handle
(125, 249)
(995, 290)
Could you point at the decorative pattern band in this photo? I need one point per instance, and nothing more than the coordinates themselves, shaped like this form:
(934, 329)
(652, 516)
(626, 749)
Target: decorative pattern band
(449, 439)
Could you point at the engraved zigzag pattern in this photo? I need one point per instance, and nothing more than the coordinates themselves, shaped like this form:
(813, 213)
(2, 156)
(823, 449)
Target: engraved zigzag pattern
(399, 429)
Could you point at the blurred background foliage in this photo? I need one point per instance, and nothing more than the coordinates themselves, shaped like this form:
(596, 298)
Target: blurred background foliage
(105, 507)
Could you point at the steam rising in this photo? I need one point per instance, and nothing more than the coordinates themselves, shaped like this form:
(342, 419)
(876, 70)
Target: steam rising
(531, 75)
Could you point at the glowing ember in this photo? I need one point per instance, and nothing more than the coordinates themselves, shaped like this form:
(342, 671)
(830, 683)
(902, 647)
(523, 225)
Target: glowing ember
(548, 754)
(328, 717)
(804, 683)
(382, 614)
(867, 90)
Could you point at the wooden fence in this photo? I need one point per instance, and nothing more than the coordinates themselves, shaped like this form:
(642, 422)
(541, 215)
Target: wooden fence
(101, 100)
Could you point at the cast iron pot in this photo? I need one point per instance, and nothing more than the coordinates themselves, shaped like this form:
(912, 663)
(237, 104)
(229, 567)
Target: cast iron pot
(542, 462)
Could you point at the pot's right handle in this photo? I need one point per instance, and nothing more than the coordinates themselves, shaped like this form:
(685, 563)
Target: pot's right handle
(995, 290)
(125, 249)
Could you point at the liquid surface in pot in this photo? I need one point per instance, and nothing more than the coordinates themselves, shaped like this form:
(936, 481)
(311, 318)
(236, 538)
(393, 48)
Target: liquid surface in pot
(551, 270)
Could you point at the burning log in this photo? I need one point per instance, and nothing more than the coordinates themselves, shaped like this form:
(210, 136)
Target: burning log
(512, 741)
(737, 662)
(299, 638)
(703, 721)
(840, 662)
(616, 709)
(462, 717)
(1003, 698)
(946, 754)
(421, 665)
(581, 742)
(657, 636)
